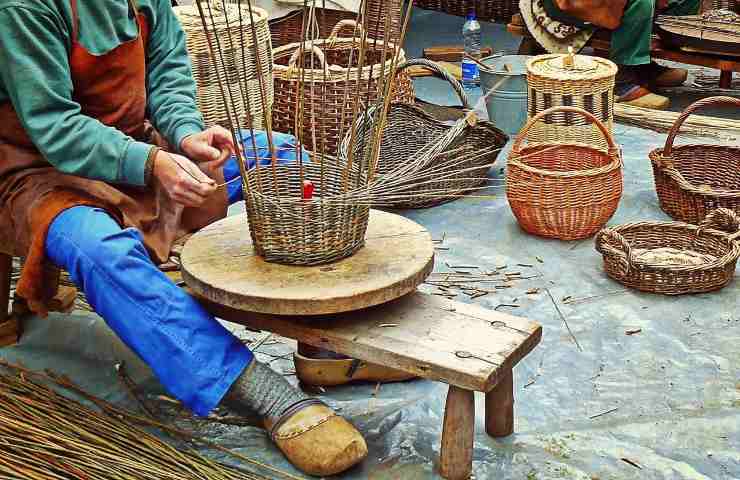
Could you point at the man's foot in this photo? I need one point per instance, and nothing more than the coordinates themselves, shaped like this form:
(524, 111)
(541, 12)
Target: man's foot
(311, 436)
(629, 90)
(330, 372)
(661, 76)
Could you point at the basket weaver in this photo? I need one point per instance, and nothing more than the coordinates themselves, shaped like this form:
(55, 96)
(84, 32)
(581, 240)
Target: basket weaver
(673, 258)
(239, 55)
(321, 21)
(489, 10)
(693, 180)
(572, 81)
(458, 165)
(320, 102)
(563, 190)
(278, 218)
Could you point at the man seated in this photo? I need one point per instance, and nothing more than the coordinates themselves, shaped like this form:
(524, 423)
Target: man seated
(104, 163)
(631, 25)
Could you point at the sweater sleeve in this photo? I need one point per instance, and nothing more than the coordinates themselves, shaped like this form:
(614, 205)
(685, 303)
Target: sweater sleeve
(170, 84)
(34, 69)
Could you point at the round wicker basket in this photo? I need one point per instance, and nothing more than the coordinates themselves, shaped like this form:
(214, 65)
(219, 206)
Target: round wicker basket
(673, 258)
(564, 190)
(572, 81)
(289, 229)
(238, 55)
(693, 180)
(461, 165)
(322, 87)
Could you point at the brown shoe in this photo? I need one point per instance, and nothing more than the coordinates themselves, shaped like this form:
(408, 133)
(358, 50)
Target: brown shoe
(316, 440)
(327, 372)
(638, 96)
(665, 77)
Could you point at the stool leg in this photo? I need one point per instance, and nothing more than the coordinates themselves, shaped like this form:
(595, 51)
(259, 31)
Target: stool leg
(725, 79)
(456, 454)
(500, 407)
(6, 269)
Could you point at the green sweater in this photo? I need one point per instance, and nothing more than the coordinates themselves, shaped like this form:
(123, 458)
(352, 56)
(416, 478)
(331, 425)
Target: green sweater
(35, 40)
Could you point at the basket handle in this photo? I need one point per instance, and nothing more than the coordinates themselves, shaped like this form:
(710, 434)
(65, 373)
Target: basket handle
(706, 102)
(722, 219)
(338, 28)
(439, 72)
(307, 46)
(613, 148)
(611, 241)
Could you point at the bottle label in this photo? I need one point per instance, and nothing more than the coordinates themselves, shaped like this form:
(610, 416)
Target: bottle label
(469, 70)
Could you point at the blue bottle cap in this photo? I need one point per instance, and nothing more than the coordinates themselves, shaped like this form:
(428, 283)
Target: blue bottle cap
(471, 16)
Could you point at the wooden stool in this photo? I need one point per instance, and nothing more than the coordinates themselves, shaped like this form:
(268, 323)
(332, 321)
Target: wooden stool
(470, 348)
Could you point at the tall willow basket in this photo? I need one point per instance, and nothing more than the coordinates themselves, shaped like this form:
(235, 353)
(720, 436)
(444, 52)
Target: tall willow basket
(571, 81)
(240, 53)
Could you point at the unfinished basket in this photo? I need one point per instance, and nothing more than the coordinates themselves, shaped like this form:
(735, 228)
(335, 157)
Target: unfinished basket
(325, 91)
(572, 81)
(461, 165)
(673, 258)
(290, 229)
(489, 10)
(563, 190)
(250, 86)
(288, 29)
(693, 180)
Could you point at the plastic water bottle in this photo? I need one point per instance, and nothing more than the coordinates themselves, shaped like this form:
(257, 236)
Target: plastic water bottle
(471, 36)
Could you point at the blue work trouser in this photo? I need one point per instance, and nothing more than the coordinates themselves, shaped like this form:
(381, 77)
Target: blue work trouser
(194, 357)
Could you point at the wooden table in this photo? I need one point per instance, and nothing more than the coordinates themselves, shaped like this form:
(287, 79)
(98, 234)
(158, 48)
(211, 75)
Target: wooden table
(465, 346)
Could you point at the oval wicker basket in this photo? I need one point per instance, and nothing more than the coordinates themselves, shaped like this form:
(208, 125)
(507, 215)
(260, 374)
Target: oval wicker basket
(287, 229)
(673, 258)
(573, 81)
(693, 180)
(240, 58)
(324, 97)
(563, 190)
(488, 10)
(461, 165)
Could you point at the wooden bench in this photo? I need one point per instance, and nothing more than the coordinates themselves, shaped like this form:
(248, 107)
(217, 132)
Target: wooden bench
(600, 42)
(470, 348)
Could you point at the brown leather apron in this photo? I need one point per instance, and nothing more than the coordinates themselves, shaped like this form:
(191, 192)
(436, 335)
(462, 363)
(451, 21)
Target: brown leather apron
(112, 89)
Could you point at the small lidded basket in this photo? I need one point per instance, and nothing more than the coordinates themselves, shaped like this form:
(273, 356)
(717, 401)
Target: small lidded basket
(673, 258)
(572, 81)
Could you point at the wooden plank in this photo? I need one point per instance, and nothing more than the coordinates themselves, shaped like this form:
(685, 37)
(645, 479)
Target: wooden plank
(458, 432)
(420, 334)
(6, 268)
(219, 263)
(417, 71)
(451, 53)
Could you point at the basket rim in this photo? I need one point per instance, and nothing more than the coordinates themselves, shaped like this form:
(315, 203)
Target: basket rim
(729, 257)
(610, 71)
(657, 159)
(614, 164)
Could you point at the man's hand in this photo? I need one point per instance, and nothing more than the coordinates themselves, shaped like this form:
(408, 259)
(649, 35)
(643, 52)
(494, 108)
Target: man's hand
(183, 181)
(213, 146)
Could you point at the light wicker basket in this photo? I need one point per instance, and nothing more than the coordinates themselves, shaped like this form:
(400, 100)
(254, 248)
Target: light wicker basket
(324, 97)
(572, 81)
(673, 258)
(488, 10)
(288, 29)
(287, 229)
(239, 54)
(462, 164)
(563, 190)
(693, 180)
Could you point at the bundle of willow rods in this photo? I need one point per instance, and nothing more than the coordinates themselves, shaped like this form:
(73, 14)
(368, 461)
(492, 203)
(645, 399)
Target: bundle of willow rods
(45, 435)
(662, 121)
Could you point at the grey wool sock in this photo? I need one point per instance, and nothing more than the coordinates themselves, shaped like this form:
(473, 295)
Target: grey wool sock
(261, 390)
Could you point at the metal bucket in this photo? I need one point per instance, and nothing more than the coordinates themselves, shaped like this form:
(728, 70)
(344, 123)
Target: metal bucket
(507, 105)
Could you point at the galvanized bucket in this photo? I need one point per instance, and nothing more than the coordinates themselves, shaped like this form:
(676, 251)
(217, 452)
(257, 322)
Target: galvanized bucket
(507, 104)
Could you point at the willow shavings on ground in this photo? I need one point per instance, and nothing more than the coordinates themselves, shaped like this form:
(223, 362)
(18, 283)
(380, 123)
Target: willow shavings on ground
(696, 125)
(45, 435)
(474, 282)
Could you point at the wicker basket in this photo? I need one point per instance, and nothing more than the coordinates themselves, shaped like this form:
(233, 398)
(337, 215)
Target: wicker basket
(488, 10)
(563, 190)
(290, 230)
(324, 98)
(673, 258)
(693, 180)
(409, 129)
(288, 29)
(246, 81)
(572, 81)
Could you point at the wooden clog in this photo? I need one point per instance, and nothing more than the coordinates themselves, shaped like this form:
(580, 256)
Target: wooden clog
(327, 372)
